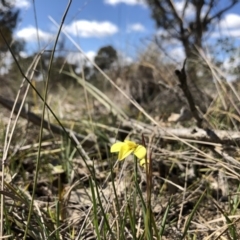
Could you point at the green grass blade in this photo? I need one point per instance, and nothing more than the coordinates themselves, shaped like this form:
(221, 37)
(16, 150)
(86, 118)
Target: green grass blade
(192, 214)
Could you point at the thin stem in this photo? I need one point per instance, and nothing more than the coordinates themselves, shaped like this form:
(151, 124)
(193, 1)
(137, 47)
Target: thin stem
(41, 128)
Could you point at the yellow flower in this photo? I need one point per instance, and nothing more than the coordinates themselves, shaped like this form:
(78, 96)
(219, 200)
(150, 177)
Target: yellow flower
(143, 162)
(127, 147)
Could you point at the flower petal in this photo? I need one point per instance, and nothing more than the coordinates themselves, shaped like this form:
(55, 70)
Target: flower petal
(124, 152)
(140, 152)
(131, 144)
(116, 147)
(142, 162)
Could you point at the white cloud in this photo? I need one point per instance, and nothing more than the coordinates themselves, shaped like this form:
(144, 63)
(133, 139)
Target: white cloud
(229, 65)
(124, 60)
(228, 26)
(136, 27)
(25, 4)
(91, 55)
(23, 54)
(230, 21)
(29, 34)
(170, 46)
(128, 2)
(189, 11)
(89, 29)
(74, 58)
(166, 36)
(177, 53)
(77, 58)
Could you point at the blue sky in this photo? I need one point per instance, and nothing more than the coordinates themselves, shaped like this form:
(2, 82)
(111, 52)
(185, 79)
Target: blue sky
(125, 24)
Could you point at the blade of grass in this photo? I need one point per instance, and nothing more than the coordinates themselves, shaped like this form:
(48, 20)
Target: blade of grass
(231, 227)
(164, 220)
(103, 212)
(132, 220)
(95, 212)
(121, 220)
(236, 201)
(43, 113)
(58, 213)
(99, 95)
(191, 215)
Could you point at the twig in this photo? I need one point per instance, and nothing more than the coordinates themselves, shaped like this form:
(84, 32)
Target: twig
(35, 119)
(201, 122)
(194, 135)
